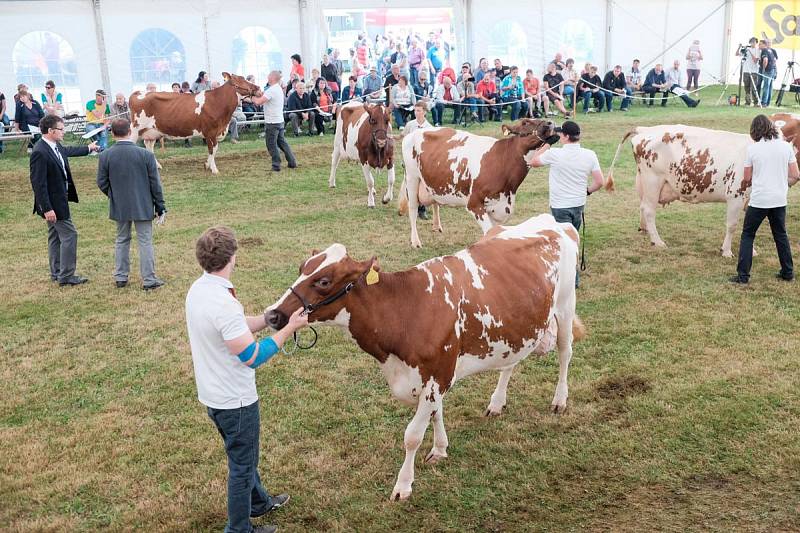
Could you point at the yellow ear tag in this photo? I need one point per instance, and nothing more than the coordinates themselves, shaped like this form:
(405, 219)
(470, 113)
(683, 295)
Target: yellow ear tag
(372, 276)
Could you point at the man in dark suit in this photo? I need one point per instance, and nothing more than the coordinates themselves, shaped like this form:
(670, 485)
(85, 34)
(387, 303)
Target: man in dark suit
(53, 188)
(128, 175)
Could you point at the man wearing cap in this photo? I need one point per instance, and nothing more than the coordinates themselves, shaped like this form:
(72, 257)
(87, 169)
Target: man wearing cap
(569, 168)
(373, 86)
(97, 113)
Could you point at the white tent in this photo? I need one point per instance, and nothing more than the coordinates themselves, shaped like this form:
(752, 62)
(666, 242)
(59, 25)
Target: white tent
(121, 45)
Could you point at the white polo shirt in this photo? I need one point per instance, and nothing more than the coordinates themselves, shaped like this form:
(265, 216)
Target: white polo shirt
(214, 316)
(273, 107)
(412, 126)
(770, 161)
(570, 166)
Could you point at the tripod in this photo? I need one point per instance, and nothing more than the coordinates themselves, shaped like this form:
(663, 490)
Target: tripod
(741, 76)
(786, 75)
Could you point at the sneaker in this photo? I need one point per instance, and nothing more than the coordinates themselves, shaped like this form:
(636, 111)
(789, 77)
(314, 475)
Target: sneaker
(153, 285)
(277, 502)
(779, 275)
(591, 110)
(30, 151)
(121, 284)
(234, 141)
(623, 109)
(737, 279)
(265, 529)
(321, 134)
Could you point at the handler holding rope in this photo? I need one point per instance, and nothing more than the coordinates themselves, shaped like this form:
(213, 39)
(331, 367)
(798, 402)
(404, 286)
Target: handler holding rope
(569, 168)
(225, 357)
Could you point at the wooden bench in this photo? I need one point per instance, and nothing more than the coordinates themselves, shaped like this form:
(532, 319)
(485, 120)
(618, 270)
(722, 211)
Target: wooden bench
(16, 136)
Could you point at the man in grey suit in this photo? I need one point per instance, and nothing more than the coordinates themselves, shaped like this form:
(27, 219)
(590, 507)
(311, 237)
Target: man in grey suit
(128, 175)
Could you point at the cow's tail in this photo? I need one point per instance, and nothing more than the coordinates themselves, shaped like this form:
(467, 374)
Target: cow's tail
(578, 329)
(402, 197)
(610, 176)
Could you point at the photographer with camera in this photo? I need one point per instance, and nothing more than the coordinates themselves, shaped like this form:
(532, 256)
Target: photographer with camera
(750, 56)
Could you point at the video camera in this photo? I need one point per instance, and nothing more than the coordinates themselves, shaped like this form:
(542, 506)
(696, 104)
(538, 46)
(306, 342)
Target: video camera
(743, 49)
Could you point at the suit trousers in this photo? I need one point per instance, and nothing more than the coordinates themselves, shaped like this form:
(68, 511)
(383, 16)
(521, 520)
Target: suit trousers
(147, 260)
(62, 248)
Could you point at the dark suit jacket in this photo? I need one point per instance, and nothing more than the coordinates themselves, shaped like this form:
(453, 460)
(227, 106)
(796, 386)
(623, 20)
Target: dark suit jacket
(128, 175)
(52, 189)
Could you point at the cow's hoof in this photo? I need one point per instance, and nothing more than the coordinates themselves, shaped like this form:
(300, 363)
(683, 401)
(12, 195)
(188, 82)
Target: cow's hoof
(493, 412)
(434, 457)
(660, 244)
(754, 253)
(215, 171)
(400, 494)
(557, 409)
(727, 253)
(439, 229)
(416, 244)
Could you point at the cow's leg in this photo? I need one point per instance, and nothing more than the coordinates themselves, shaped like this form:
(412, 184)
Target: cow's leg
(498, 401)
(389, 196)
(564, 343)
(370, 185)
(440, 442)
(437, 221)
(648, 213)
(335, 157)
(211, 164)
(734, 209)
(150, 144)
(413, 182)
(477, 207)
(413, 438)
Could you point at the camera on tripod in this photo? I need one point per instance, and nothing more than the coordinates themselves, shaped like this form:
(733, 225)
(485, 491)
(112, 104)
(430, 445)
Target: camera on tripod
(791, 63)
(742, 49)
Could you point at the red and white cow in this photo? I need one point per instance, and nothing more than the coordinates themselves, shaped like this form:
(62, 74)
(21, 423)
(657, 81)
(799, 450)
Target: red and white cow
(484, 308)
(181, 116)
(677, 162)
(451, 167)
(364, 134)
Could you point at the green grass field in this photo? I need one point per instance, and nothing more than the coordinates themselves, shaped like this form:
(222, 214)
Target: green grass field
(683, 410)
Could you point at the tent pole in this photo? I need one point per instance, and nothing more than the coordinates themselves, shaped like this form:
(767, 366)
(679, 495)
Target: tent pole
(101, 46)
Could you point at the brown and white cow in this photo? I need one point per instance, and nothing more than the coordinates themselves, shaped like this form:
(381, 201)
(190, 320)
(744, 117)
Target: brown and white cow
(452, 167)
(364, 134)
(691, 164)
(789, 126)
(484, 308)
(180, 116)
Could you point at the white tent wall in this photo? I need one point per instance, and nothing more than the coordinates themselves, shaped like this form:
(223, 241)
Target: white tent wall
(647, 29)
(73, 22)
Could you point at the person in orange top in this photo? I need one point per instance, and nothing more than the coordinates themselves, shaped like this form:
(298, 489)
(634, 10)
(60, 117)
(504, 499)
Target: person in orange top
(297, 67)
(322, 100)
(531, 86)
(487, 93)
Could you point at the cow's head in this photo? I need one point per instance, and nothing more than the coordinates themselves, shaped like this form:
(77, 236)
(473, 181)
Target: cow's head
(326, 278)
(378, 123)
(243, 87)
(536, 131)
(789, 126)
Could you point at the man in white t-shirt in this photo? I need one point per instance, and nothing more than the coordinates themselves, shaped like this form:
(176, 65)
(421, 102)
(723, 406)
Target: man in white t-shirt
(272, 100)
(770, 166)
(225, 356)
(569, 168)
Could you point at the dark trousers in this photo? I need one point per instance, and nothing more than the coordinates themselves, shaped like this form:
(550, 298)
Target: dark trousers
(438, 113)
(693, 76)
(750, 88)
(297, 121)
(276, 140)
(599, 100)
(62, 249)
(240, 429)
(652, 91)
(574, 216)
(777, 223)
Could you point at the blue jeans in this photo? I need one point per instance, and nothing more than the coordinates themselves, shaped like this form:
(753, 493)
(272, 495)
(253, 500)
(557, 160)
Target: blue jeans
(400, 116)
(569, 92)
(574, 216)
(239, 429)
(517, 108)
(626, 101)
(766, 86)
(438, 113)
(599, 100)
(102, 137)
(414, 78)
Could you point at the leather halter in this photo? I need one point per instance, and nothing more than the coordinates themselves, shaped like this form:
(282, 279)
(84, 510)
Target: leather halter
(250, 92)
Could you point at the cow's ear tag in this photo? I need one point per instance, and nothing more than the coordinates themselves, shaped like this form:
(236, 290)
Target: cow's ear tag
(372, 276)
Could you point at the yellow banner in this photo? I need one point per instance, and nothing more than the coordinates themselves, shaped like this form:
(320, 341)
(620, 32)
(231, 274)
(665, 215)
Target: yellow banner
(778, 20)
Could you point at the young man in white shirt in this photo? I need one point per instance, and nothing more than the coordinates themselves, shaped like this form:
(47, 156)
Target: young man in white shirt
(272, 100)
(225, 356)
(569, 168)
(770, 166)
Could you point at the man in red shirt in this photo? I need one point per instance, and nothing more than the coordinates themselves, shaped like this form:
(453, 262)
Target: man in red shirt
(487, 92)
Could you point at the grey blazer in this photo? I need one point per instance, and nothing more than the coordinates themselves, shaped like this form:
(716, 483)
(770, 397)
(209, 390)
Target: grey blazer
(128, 175)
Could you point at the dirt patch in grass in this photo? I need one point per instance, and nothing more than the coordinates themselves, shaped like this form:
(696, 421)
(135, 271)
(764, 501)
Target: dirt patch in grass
(619, 387)
(251, 241)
